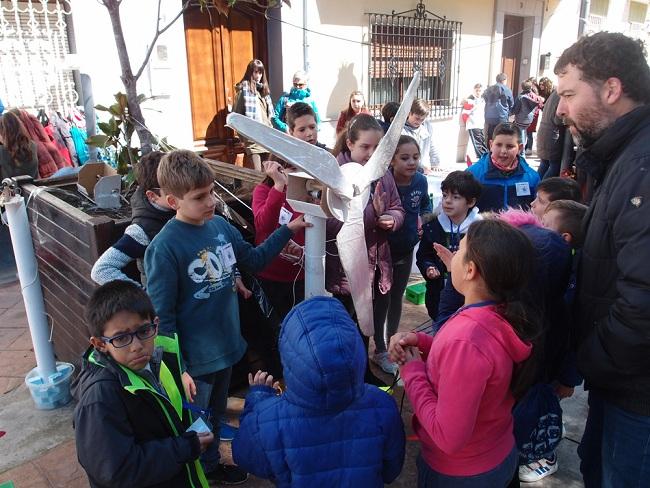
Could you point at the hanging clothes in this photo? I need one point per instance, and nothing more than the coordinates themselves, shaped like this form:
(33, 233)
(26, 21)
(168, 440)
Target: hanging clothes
(54, 135)
(77, 118)
(49, 158)
(79, 138)
(63, 127)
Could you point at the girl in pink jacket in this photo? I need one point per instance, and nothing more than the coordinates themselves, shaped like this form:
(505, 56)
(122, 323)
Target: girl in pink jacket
(463, 382)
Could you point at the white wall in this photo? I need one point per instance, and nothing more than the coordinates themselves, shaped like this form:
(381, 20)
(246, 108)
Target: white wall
(338, 67)
(170, 114)
(559, 32)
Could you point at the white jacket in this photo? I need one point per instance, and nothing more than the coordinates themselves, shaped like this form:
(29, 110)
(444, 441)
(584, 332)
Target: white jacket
(476, 115)
(429, 155)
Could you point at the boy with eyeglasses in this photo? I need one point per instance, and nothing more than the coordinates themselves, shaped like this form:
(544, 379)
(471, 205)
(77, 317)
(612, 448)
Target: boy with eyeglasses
(191, 281)
(131, 427)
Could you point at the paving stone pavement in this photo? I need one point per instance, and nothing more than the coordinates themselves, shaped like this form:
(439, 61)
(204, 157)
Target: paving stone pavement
(38, 446)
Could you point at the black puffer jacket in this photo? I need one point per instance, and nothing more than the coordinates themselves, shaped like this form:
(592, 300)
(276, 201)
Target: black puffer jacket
(613, 295)
(147, 216)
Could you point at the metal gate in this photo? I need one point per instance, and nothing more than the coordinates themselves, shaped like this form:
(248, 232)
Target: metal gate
(34, 48)
(399, 43)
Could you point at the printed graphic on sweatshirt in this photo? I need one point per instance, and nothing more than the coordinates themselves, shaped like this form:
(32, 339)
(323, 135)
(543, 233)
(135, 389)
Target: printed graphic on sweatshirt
(213, 268)
(415, 197)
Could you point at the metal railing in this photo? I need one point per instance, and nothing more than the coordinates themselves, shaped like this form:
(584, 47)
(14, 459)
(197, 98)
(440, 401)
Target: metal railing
(400, 43)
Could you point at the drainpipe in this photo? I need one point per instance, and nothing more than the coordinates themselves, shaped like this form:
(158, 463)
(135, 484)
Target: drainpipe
(539, 44)
(305, 38)
(491, 74)
(585, 6)
(21, 240)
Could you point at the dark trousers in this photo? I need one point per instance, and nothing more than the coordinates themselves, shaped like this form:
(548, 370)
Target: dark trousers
(489, 129)
(497, 477)
(432, 297)
(615, 447)
(369, 377)
(478, 141)
(548, 168)
(387, 308)
(212, 394)
(283, 295)
(529, 141)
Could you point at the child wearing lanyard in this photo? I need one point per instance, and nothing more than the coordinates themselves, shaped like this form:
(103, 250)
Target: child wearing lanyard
(460, 191)
(466, 433)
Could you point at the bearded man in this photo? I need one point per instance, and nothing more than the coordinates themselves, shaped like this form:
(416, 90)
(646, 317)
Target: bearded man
(604, 88)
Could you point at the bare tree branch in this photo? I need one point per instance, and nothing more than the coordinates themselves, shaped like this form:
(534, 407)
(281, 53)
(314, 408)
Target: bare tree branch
(159, 32)
(158, 16)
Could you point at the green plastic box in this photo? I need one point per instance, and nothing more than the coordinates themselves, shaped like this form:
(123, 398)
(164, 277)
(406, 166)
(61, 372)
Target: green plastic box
(415, 293)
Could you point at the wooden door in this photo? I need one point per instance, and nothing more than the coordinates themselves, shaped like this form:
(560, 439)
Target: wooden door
(511, 54)
(218, 50)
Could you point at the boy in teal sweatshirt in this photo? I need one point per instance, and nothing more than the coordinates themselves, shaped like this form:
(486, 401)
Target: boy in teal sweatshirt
(191, 281)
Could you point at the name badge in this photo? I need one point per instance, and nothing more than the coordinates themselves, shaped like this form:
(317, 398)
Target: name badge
(285, 216)
(228, 255)
(523, 189)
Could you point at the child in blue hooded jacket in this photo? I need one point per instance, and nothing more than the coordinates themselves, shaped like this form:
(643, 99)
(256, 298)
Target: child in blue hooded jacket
(329, 428)
(299, 93)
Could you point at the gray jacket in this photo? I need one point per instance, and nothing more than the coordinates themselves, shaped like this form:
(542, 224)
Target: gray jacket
(551, 131)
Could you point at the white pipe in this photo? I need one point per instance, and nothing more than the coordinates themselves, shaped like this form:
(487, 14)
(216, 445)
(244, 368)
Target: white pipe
(315, 257)
(21, 241)
(305, 38)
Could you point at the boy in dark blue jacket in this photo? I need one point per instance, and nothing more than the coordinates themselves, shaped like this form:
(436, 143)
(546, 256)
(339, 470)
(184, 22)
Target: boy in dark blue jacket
(460, 191)
(130, 425)
(329, 428)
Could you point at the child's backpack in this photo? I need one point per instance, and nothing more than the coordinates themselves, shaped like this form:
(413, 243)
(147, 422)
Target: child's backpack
(538, 423)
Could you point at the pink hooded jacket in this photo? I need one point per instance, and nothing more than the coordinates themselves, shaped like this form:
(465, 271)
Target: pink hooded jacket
(460, 392)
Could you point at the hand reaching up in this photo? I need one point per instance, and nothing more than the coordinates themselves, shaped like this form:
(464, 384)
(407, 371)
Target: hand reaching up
(274, 170)
(444, 254)
(379, 199)
(263, 378)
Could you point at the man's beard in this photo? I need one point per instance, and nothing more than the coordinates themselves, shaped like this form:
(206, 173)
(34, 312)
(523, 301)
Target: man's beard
(594, 122)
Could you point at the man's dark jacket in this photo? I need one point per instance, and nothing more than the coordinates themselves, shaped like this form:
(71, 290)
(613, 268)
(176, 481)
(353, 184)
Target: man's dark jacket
(613, 295)
(498, 103)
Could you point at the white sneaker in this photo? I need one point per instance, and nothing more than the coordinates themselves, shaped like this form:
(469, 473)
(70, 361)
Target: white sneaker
(382, 360)
(537, 470)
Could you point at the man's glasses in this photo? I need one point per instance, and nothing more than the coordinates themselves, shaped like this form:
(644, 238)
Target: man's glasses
(146, 331)
(300, 84)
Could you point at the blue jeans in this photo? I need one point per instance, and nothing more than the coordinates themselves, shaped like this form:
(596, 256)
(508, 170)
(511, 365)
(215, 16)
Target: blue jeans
(615, 448)
(212, 393)
(522, 139)
(495, 478)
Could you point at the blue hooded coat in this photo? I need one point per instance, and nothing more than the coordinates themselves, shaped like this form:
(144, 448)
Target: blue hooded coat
(279, 120)
(328, 428)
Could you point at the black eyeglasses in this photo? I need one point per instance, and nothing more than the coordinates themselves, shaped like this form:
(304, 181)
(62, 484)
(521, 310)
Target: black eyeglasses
(300, 84)
(146, 331)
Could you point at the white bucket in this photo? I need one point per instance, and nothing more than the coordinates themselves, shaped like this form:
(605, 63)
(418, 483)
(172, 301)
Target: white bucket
(53, 392)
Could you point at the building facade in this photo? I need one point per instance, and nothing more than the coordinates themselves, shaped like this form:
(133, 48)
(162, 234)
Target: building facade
(367, 45)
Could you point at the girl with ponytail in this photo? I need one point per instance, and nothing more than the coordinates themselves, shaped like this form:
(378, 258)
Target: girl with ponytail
(463, 382)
